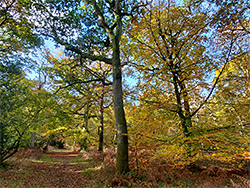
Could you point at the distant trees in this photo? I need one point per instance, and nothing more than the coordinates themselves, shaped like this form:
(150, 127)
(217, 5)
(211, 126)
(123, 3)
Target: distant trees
(90, 91)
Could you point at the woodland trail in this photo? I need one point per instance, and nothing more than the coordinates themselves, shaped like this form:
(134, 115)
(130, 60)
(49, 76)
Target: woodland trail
(54, 169)
(64, 169)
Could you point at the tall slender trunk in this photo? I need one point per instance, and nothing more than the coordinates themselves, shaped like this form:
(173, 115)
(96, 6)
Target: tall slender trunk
(1, 142)
(83, 143)
(100, 128)
(33, 134)
(86, 117)
(115, 34)
(122, 133)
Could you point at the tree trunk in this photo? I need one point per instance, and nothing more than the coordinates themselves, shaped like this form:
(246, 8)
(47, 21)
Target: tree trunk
(100, 128)
(188, 117)
(184, 115)
(84, 141)
(122, 133)
(74, 145)
(1, 142)
(185, 123)
(33, 137)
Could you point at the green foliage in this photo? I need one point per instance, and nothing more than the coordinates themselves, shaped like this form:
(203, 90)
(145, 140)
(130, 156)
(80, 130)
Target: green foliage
(19, 109)
(16, 29)
(78, 159)
(19, 105)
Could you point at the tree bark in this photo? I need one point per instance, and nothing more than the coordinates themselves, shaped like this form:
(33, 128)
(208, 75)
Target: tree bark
(187, 113)
(33, 137)
(185, 117)
(84, 141)
(100, 128)
(1, 142)
(122, 133)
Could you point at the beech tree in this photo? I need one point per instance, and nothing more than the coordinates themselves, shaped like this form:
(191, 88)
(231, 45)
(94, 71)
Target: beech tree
(177, 48)
(176, 40)
(84, 28)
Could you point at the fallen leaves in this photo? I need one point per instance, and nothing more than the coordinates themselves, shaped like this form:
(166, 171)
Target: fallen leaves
(34, 173)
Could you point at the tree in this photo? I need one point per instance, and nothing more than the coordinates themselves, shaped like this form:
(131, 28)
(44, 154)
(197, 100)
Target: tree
(17, 37)
(180, 48)
(224, 121)
(19, 109)
(87, 36)
(16, 41)
(232, 12)
(171, 33)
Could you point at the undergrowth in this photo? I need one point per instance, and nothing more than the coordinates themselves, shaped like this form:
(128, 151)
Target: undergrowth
(146, 173)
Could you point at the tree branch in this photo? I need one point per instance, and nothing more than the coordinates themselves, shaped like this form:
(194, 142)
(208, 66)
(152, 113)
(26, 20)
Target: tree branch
(79, 52)
(216, 80)
(101, 21)
(76, 82)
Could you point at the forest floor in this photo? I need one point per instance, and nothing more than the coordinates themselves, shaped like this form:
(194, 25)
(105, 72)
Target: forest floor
(53, 169)
(63, 168)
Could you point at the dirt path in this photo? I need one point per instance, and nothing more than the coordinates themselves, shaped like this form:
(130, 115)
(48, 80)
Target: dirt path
(55, 169)
(93, 169)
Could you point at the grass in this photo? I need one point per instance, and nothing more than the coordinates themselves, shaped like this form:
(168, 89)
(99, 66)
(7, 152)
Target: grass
(45, 159)
(80, 162)
(78, 159)
(48, 159)
(60, 150)
(88, 171)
